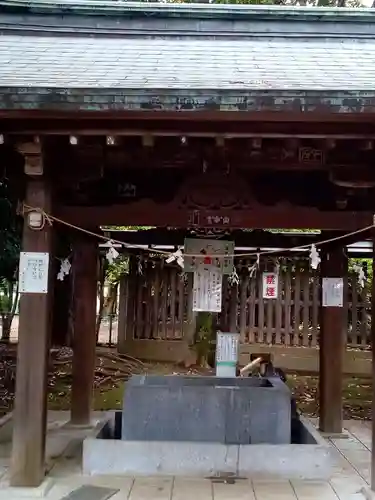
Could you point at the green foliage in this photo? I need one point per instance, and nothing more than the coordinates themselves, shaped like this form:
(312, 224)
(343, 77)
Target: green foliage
(10, 246)
(6, 296)
(366, 264)
(10, 236)
(204, 337)
(125, 228)
(114, 271)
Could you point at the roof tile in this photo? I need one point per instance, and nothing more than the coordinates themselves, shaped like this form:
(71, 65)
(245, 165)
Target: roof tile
(204, 63)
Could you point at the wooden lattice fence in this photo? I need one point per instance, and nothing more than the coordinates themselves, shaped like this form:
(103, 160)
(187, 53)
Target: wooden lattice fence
(160, 308)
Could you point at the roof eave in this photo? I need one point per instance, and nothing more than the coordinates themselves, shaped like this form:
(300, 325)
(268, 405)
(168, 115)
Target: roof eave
(194, 10)
(244, 100)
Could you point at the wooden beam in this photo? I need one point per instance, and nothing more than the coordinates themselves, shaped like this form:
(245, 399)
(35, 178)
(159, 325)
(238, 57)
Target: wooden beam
(373, 363)
(29, 416)
(332, 348)
(149, 213)
(255, 239)
(228, 116)
(85, 269)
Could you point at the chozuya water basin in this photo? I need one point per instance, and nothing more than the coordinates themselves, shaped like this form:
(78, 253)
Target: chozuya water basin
(207, 409)
(308, 457)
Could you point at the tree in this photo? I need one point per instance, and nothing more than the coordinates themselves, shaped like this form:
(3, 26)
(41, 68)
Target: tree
(10, 245)
(109, 276)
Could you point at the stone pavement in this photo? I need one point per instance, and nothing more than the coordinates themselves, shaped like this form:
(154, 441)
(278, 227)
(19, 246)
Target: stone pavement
(64, 445)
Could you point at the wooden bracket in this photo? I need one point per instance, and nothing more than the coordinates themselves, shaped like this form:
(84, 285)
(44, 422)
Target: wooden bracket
(32, 152)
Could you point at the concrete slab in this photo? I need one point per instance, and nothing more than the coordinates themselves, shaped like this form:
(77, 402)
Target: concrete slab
(311, 490)
(270, 490)
(293, 461)
(8, 492)
(241, 490)
(286, 461)
(192, 488)
(142, 458)
(152, 488)
(347, 482)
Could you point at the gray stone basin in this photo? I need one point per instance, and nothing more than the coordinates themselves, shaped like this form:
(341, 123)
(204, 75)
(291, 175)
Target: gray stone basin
(236, 411)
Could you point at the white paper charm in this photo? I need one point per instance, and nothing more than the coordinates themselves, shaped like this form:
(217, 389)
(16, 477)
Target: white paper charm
(253, 269)
(314, 257)
(112, 253)
(234, 279)
(361, 274)
(64, 269)
(177, 256)
(33, 272)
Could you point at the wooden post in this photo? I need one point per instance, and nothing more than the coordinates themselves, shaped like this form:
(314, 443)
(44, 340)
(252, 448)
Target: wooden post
(233, 309)
(189, 334)
(29, 416)
(373, 361)
(126, 308)
(332, 348)
(122, 313)
(62, 293)
(85, 271)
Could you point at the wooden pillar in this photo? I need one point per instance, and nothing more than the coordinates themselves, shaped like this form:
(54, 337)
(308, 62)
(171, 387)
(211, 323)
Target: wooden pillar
(233, 309)
(332, 348)
(123, 314)
(126, 308)
(61, 311)
(62, 293)
(85, 271)
(373, 362)
(189, 334)
(29, 416)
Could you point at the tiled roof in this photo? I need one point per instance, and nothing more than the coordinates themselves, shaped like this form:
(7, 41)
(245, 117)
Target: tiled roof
(187, 63)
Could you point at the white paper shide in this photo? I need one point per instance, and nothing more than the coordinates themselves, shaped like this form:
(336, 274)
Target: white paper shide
(207, 291)
(33, 273)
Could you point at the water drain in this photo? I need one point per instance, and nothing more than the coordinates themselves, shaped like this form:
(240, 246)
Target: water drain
(226, 478)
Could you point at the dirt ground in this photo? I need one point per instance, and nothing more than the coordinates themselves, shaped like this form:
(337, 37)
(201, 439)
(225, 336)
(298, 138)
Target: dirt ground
(113, 370)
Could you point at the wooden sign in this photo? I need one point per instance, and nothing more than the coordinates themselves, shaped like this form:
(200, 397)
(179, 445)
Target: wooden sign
(203, 255)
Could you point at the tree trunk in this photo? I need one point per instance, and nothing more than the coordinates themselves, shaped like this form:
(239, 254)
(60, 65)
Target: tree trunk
(101, 298)
(109, 303)
(6, 320)
(7, 316)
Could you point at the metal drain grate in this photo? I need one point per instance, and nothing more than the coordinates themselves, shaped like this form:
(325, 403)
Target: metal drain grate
(226, 478)
(90, 493)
